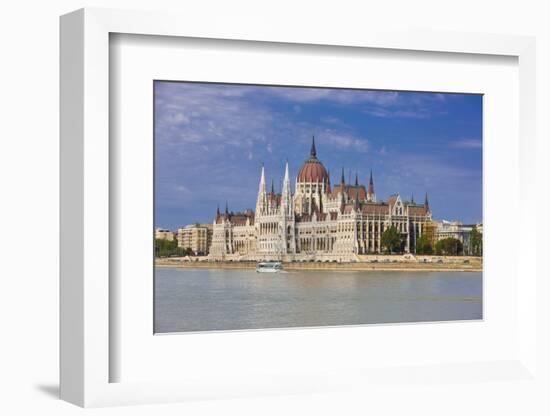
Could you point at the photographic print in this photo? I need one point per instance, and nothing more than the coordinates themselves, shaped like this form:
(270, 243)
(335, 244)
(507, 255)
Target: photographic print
(293, 207)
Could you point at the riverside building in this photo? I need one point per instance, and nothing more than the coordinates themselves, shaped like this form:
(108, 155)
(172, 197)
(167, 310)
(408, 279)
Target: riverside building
(319, 221)
(163, 234)
(197, 237)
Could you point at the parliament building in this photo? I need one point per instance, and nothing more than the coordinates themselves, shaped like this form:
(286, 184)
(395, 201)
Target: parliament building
(318, 222)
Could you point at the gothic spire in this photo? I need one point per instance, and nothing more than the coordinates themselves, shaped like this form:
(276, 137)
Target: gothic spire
(218, 211)
(426, 204)
(313, 152)
(272, 186)
(261, 200)
(370, 190)
(343, 179)
(287, 176)
(356, 179)
(226, 208)
(412, 198)
(285, 191)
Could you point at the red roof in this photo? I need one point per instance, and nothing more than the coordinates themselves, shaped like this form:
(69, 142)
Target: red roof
(392, 200)
(418, 210)
(313, 171)
(375, 209)
(351, 191)
(238, 218)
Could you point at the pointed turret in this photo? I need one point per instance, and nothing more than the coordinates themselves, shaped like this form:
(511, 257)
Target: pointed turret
(371, 196)
(226, 208)
(286, 195)
(342, 179)
(356, 179)
(286, 179)
(272, 187)
(261, 200)
(426, 204)
(313, 151)
(412, 199)
(218, 211)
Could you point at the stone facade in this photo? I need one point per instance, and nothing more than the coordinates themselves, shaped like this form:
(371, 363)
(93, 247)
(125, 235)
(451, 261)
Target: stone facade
(197, 237)
(317, 222)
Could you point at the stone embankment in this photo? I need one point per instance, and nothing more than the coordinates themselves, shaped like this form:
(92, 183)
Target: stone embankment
(389, 263)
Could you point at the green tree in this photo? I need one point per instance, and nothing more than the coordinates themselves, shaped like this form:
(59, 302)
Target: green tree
(476, 242)
(166, 248)
(449, 247)
(424, 245)
(391, 240)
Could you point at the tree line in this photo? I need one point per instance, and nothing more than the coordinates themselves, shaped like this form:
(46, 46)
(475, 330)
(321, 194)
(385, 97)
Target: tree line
(169, 248)
(393, 244)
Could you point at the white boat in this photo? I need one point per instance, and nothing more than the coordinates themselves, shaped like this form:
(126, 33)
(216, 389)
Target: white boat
(269, 267)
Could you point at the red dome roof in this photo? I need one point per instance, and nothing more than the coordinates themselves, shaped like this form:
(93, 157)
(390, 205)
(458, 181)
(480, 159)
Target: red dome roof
(313, 171)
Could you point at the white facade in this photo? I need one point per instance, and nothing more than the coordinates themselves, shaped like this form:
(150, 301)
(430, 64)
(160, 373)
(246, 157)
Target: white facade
(457, 230)
(317, 222)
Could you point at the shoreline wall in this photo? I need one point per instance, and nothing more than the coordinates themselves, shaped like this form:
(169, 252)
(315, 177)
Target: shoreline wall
(473, 264)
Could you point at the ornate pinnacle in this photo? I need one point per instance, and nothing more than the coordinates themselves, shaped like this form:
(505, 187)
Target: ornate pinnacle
(313, 152)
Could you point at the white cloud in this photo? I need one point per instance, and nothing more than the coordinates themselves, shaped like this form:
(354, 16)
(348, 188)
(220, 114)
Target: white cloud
(345, 141)
(466, 144)
(340, 96)
(206, 113)
(388, 113)
(330, 120)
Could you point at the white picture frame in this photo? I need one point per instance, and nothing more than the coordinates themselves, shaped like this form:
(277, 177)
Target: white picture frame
(86, 303)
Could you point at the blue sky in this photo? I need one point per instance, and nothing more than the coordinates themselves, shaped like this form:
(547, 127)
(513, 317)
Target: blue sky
(211, 139)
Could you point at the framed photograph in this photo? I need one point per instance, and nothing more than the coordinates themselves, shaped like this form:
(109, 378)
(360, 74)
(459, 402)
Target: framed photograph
(336, 249)
(229, 198)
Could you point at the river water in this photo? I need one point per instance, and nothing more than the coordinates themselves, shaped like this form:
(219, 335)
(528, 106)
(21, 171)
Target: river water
(214, 299)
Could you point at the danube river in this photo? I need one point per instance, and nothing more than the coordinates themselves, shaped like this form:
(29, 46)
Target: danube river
(218, 299)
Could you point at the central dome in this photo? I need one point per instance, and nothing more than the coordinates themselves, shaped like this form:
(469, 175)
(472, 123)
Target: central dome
(313, 170)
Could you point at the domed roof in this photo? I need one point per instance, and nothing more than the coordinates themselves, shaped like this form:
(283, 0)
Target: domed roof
(313, 170)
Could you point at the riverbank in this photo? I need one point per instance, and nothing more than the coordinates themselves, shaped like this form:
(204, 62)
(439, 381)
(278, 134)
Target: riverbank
(454, 264)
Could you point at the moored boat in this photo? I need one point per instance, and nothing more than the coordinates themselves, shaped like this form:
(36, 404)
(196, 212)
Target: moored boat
(269, 267)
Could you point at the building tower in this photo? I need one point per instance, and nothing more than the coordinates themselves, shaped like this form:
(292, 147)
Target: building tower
(312, 183)
(371, 196)
(287, 216)
(261, 200)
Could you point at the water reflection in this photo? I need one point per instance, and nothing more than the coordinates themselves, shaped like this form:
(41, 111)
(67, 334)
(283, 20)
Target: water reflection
(208, 299)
